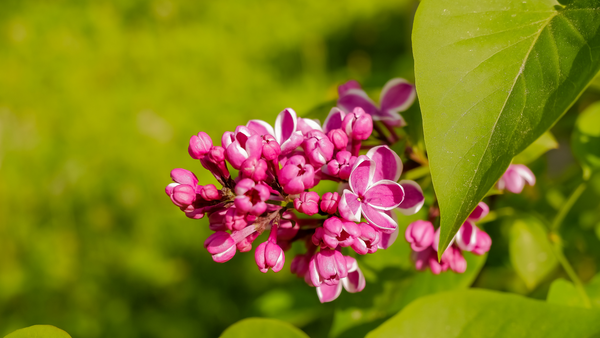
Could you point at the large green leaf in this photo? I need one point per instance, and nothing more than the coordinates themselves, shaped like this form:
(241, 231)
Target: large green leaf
(564, 292)
(482, 314)
(530, 251)
(586, 139)
(262, 327)
(39, 331)
(492, 76)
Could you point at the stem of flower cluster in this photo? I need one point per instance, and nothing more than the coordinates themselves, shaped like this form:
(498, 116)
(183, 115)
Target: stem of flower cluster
(564, 210)
(571, 273)
(281, 203)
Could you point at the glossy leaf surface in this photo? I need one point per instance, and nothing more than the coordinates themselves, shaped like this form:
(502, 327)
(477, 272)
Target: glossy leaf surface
(262, 327)
(492, 76)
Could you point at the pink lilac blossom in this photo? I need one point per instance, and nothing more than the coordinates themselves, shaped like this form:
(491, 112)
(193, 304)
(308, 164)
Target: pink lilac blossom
(424, 243)
(269, 189)
(515, 178)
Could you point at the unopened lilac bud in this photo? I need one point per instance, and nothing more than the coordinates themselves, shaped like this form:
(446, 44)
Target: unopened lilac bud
(420, 235)
(307, 203)
(269, 255)
(210, 193)
(234, 220)
(245, 244)
(217, 154)
(296, 175)
(339, 139)
(271, 149)
(329, 202)
(358, 125)
(454, 259)
(251, 197)
(299, 265)
(216, 220)
(183, 176)
(466, 237)
(318, 148)
(183, 195)
(255, 169)
(368, 240)
(484, 242)
(199, 145)
(341, 166)
(221, 246)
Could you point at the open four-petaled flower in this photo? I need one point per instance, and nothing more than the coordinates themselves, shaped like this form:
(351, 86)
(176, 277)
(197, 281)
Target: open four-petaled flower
(374, 190)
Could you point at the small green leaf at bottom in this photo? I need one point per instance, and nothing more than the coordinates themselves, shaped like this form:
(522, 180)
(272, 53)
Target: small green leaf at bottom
(39, 331)
(263, 328)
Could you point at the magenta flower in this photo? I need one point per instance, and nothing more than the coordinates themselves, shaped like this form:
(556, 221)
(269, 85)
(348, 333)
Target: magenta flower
(199, 145)
(373, 189)
(341, 166)
(251, 197)
(296, 175)
(515, 177)
(336, 232)
(305, 125)
(239, 146)
(183, 191)
(397, 95)
(221, 246)
(318, 148)
(354, 282)
(286, 131)
(327, 267)
(368, 239)
(255, 169)
(334, 120)
(269, 255)
(357, 124)
(329, 202)
(420, 235)
(307, 203)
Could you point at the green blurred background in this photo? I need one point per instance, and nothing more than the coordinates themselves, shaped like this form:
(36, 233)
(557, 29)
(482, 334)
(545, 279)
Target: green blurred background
(98, 100)
(97, 104)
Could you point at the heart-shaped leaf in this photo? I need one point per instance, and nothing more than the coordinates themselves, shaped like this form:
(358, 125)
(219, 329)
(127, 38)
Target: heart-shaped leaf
(482, 314)
(39, 331)
(492, 76)
(262, 327)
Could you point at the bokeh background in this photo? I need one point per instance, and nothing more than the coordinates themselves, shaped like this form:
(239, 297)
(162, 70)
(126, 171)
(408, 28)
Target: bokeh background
(98, 100)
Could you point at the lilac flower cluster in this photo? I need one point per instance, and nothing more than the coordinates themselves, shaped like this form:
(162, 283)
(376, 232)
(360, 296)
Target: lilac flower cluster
(424, 241)
(278, 165)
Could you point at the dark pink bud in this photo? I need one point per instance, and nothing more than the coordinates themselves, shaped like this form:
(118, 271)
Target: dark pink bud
(318, 148)
(338, 138)
(480, 211)
(216, 220)
(210, 193)
(329, 202)
(234, 220)
(221, 246)
(368, 240)
(484, 242)
(271, 149)
(420, 235)
(296, 175)
(358, 125)
(428, 258)
(183, 195)
(454, 259)
(307, 203)
(199, 145)
(245, 244)
(341, 166)
(195, 213)
(299, 265)
(183, 176)
(251, 197)
(255, 169)
(217, 154)
(269, 255)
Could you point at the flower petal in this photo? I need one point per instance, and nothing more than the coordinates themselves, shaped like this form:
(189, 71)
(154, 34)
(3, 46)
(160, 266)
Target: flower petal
(355, 282)
(525, 173)
(307, 125)
(384, 195)
(387, 239)
(333, 120)
(352, 84)
(357, 98)
(480, 211)
(397, 95)
(349, 206)
(293, 142)
(285, 125)
(361, 177)
(328, 293)
(388, 165)
(413, 198)
(260, 127)
(379, 218)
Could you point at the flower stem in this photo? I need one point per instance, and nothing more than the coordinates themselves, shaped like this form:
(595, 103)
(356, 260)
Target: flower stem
(571, 273)
(281, 203)
(564, 210)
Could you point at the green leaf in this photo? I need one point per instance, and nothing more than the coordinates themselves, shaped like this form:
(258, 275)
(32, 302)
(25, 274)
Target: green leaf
(530, 251)
(563, 292)
(262, 327)
(481, 314)
(39, 331)
(492, 76)
(586, 139)
(537, 149)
